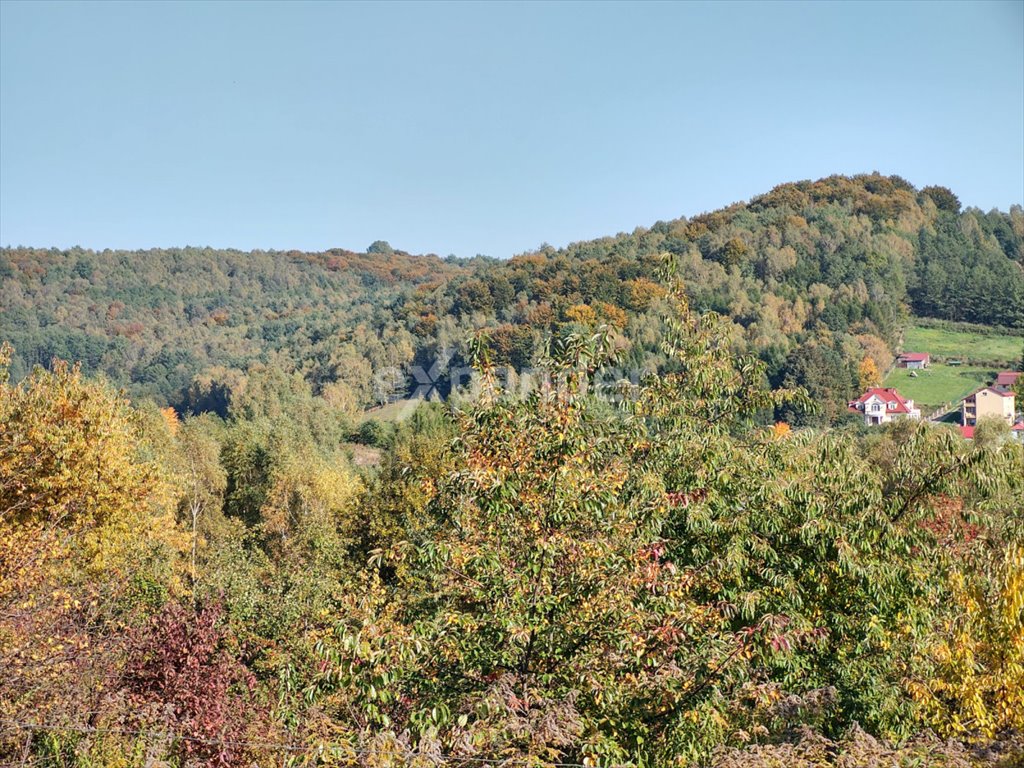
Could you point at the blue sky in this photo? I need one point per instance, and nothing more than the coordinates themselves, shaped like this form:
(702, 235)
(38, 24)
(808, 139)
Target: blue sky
(481, 127)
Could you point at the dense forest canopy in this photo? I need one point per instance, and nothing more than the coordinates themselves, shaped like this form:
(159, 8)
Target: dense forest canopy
(539, 579)
(814, 277)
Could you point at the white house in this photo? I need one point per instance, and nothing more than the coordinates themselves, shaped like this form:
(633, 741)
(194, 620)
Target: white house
(880, 405)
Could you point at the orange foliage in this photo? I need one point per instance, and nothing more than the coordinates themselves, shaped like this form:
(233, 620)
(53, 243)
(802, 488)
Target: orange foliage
(582, 314)
(171, 419)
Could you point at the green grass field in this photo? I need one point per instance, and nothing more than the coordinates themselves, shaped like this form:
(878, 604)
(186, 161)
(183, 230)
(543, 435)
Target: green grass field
(999, 351)
(396, 411)
(939, 384)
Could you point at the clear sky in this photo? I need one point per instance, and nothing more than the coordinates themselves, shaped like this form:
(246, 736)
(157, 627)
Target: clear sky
(481, 127)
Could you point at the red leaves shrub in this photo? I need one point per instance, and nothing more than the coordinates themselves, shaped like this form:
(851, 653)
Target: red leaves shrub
(181, 665)
(683, 499)
(949, 525)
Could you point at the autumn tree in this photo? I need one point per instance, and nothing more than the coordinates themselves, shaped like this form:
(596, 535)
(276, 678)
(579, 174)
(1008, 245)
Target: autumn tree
(645, 584)
(977, 686)
(87, 537)
(202, 481)
(182, 675)
(867, 374)
(582, 314)
(943, 198)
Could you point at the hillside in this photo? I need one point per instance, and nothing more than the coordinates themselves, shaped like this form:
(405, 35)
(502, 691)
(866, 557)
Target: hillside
(530, 576)
(964, 358)
(813, 276)
(523, 580)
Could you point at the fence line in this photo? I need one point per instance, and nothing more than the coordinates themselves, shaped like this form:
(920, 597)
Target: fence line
(942, 410)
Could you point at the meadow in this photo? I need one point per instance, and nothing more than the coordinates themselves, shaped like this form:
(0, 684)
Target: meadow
(939, 383)
(989, 349)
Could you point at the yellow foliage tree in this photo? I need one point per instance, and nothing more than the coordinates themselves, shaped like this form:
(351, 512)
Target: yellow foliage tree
(170, 417)
(978, 684)
(867, 374)
(877, 349)
(641, 292)
(612, 315)
(582, 314)
(308, 495)
(86, 530)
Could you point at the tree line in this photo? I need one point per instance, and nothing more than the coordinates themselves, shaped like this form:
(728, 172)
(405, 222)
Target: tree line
(814, 278)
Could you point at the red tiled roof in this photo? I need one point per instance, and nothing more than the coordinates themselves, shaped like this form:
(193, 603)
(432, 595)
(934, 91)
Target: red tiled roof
(1001, 391)
(912, 357)
(1007, 378)
(967, 433)
(887, 395)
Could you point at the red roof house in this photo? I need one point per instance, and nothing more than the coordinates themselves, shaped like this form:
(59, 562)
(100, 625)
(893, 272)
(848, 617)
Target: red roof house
(1007, 378)
(1016, 432)
(883, 404)
(914, 360)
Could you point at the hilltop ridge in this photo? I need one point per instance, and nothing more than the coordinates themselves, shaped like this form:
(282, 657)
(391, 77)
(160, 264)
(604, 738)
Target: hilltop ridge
(814, 276)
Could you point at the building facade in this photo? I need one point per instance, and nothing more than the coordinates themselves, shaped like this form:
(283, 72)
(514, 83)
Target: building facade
(880, 405)
(989, 401)
(915, 360)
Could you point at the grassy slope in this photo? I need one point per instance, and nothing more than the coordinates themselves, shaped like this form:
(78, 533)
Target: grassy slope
(949, 384)
(399, 410)
(996, 350)
(939, 384)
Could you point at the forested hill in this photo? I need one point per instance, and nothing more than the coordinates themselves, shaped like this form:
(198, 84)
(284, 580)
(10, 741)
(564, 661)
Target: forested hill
(815, 277)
